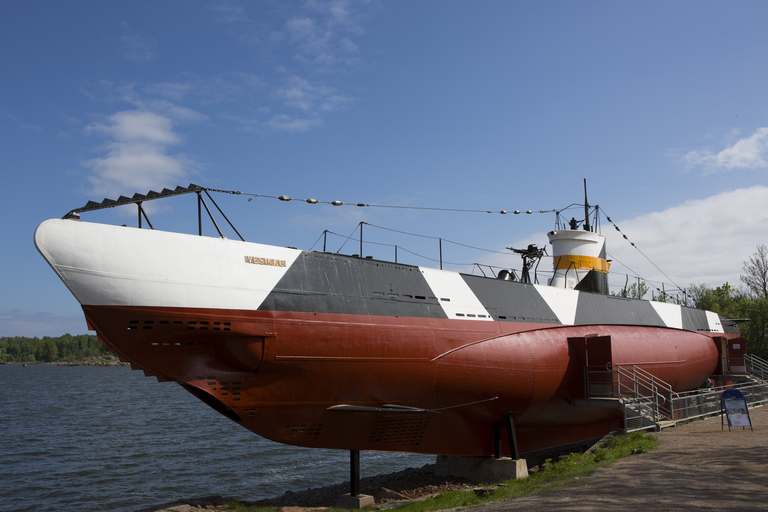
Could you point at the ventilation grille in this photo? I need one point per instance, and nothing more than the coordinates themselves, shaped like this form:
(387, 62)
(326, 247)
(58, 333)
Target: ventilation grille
(189, 325)
(310, 430)
(224, 389)
(400, 432)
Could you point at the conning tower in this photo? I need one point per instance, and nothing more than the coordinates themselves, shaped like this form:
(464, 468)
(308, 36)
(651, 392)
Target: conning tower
(579, 260)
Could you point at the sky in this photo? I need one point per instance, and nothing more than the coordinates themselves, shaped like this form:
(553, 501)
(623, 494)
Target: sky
(447, 108)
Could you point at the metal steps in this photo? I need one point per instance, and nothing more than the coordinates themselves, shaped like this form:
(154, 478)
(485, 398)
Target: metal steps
(649, 403)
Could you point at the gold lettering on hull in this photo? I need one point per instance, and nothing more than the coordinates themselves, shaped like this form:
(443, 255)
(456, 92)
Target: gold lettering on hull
(255, 260)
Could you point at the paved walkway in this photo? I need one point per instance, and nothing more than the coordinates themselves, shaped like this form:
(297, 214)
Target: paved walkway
(697, 467)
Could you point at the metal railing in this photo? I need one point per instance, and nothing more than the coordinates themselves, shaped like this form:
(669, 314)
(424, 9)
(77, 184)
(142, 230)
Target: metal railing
(649, 402)
(646, 400)
(641, 415)
(702, 403)
(756, 367)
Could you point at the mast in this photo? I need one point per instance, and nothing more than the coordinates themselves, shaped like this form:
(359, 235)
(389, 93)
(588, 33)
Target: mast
(586, 208)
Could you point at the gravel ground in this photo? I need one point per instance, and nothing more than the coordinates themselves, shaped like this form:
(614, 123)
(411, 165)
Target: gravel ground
(698, 466)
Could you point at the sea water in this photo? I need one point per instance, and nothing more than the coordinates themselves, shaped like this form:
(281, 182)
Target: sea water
(108, 438)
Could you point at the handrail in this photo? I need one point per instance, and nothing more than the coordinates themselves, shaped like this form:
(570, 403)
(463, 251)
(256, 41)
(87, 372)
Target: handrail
(648, 401)
(661, 392)
(631, 383)
(756, 366)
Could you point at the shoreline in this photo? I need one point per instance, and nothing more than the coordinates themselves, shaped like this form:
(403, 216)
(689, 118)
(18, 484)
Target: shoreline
(407, 485)
(84, 362)
(676, 475)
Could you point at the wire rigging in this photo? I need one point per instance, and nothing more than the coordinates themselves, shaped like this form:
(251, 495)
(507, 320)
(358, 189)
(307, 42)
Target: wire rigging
(596, 212)
(435, 238)
(367, 205)
(644, 255)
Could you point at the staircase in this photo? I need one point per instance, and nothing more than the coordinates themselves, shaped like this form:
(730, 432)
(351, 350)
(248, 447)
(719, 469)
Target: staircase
(756, 368)
(650, 403)
(645, 400)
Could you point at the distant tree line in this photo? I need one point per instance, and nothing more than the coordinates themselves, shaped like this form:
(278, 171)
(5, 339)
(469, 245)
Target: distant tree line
(48, 349)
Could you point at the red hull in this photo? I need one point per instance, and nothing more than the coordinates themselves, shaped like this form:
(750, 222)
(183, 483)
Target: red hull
(279, 374)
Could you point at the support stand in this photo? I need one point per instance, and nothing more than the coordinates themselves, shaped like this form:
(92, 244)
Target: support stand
(510, 421)
(354, 500)
(511, 437)
(486, 470)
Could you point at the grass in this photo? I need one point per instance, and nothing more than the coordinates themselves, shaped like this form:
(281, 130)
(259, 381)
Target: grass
(554, 475)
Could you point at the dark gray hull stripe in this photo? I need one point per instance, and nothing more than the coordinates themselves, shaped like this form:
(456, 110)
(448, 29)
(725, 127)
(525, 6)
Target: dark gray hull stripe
(336, 284)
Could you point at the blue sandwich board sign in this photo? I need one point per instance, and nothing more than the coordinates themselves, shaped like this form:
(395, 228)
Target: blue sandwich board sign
(734, 404)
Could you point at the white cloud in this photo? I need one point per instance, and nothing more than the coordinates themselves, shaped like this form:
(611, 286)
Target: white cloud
(238, 24)
(323, 40)
(230, 13)
(303, 30)
(320, 36)
(137, 126)
(348, 46)
(170, 110)
(317, 39)
(703, 241)
(746, 153)
(301, 94)
(339, 13)
(138, 47)
(699, 241)
(137, 156)
(26, 126)
(334, 102)
(227, 87)
(174, 91)
(285, 123)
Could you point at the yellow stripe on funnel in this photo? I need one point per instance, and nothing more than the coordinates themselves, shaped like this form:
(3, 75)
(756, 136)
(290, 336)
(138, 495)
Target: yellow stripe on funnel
(581, 262)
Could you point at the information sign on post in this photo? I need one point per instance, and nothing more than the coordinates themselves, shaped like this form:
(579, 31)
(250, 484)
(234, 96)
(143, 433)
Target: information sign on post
(734, 404)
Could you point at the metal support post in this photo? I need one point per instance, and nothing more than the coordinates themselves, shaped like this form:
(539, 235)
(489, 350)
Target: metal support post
(142, 212)
(199, 214)
(510, 420)
(441, 254)
(354, 472)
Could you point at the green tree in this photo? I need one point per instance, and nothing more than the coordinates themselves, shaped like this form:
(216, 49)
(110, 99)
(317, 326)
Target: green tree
(51, 351)
(735, 304)
(633, 291)
(755, 276)
(723, 299)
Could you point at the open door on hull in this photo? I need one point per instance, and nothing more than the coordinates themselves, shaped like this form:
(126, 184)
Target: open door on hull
(593, 352)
